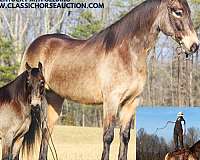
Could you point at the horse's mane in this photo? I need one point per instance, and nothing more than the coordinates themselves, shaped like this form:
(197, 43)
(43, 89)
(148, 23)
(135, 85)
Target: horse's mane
(134, 23)
(139, 19)
(195, 147)
(179, 152)
(14, 89)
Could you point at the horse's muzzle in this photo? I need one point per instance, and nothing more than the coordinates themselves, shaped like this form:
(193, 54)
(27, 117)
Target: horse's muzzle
(35, 107)
(194, 48)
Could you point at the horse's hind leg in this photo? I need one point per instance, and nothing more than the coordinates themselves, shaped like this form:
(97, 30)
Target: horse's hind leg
(126, 117)
(110, 109)
(54, 109)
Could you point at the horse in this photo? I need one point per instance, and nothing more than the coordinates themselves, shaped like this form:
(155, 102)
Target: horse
(19, 102)
(110, 67)
(185, 154)
(195, 149)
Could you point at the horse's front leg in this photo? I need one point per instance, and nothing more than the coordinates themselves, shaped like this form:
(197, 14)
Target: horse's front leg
(53, 111)
(126, 116)
(44, 145)
(16, 148)
(7, 148)
(47, 131)
(110, 109)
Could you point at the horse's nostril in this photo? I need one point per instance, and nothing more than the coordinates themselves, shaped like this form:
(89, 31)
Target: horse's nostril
(35, 107)
(194, 47)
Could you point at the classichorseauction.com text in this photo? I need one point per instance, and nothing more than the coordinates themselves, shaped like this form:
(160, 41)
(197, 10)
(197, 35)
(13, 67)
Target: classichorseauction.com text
(48, 4)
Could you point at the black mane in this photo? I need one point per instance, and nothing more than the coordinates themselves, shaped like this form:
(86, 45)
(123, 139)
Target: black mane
(16, 89)
(135, 22)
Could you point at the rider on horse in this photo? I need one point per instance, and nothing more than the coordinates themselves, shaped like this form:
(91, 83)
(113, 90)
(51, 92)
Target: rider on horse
(179, 131)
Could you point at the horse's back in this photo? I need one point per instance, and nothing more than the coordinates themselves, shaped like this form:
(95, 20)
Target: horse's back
(67, 60)
(44, 47)
(50, 42)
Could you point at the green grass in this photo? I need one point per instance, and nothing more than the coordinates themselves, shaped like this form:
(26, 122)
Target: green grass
(77, 143)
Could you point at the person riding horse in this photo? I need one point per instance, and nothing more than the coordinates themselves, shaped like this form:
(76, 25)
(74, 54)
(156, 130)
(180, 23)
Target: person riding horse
(179, 131)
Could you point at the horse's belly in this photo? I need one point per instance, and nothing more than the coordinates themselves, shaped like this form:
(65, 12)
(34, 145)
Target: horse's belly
(85, 90)
(83, 94)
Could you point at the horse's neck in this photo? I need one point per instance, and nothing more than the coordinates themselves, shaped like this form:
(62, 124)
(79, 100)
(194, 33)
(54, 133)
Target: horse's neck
(146, 30)
(17, 89)
(142, 25)
(195, 147)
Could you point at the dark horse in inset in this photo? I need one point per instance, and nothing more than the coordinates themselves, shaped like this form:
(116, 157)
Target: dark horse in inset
(109, 67)
(185, 154)
(20, 101)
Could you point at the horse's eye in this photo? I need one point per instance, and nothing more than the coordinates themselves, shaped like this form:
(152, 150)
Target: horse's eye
(177, 13)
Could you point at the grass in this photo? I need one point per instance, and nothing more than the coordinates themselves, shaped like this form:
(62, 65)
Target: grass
(77, 143)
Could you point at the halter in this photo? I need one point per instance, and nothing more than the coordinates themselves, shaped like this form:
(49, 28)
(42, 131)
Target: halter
(179, 49)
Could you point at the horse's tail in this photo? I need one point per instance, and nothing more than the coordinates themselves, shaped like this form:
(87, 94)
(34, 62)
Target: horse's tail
(33, 135)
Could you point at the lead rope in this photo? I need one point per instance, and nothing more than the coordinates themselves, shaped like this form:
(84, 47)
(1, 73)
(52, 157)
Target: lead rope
(180, 51)
(51, 139)
(52, 152)
(44, 112)
(157, 129)
(44, 123)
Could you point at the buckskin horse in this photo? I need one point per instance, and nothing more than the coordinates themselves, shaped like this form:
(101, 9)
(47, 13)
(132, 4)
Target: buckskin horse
(110, 67)
(185, 154)
(19, 102)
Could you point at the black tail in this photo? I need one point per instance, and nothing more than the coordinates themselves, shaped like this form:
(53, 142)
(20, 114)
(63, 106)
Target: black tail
(33, 133)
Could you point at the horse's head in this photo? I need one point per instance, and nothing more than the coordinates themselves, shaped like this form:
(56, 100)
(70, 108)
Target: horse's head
(35, 85)
(176, 22)
(192, 156)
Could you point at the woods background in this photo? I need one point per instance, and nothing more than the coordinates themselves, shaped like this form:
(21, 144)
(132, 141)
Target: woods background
(172, 80)
(153, 147)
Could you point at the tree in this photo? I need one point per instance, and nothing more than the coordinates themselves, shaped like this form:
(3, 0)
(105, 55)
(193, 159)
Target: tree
(150, 147)
(192, 136)
(9, 65)
(87, 25)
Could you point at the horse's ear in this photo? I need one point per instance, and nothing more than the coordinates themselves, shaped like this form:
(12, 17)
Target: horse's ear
(28, 67)
(170, 2)
(40, 66)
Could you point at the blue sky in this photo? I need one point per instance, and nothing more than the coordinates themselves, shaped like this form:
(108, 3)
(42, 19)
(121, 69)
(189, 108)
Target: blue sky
(151, 118)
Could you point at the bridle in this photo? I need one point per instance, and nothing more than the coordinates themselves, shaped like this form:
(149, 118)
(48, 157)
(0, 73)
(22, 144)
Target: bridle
(180, 49)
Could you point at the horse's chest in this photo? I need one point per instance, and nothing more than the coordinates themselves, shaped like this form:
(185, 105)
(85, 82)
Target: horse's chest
(7, 115)
(9, 119)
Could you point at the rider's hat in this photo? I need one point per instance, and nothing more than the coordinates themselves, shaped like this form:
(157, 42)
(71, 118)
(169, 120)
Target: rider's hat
(180, 114)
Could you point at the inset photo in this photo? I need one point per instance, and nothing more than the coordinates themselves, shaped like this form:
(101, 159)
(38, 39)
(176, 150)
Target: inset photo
(166, 133)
